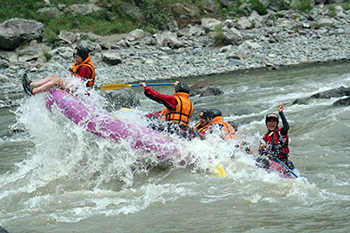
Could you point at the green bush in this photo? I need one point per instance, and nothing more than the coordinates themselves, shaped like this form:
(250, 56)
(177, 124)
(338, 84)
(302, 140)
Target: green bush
(219, 36)
(305, 5)
(332, 11)
(157, 12)
(345, 6)
(47, 55)
(258, 6)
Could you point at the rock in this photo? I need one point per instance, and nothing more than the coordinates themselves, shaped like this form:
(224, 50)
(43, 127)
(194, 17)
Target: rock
(342, 102)
(2, 230)
(15, 32)
(234, 62)
(82, 9)
(210, 6)
(233, 36)
(256, 19)
(337, 92)
(50, 11)
(32, 52)
(210, 91)
(3, 64)
(168, 39)
(180, 9)
(303, 101)
(67, 36)
(200, 84)
(133, 11)
(137, 33)
(209, 24)
(112, 58)
(244, 23)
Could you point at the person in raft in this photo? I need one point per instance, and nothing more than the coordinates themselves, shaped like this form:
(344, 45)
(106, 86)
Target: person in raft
(177, 111)
(202, 124)
(217, 124)
(82, 68)
(274, 142)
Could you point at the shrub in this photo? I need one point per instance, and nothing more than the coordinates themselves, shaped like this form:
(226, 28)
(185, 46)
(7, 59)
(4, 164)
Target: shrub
(47, 55)
(258, 6)
(157, 12)
(305, 5)
(219, 36)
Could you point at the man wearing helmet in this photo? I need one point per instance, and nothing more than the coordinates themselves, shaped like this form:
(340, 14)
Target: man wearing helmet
(202, 125)
(217, 123)
(276, 139)
(178, 107)
(82, 68)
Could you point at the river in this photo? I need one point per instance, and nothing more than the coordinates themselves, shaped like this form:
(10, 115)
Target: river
(56, 177)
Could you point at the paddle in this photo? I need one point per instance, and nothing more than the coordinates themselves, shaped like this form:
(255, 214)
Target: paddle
(116, 86)
(282, 163)
(219, 169)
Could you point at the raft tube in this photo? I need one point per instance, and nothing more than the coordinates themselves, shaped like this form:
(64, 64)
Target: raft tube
(102, 123)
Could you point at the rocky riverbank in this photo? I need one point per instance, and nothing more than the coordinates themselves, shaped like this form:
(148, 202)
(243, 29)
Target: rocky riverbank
(254, 42)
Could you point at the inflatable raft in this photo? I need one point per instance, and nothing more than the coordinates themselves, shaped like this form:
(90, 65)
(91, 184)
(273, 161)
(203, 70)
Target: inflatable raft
(102, 123)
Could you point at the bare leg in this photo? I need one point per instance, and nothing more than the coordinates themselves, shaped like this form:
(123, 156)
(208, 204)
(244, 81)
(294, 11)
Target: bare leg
(42, 81)
(48, 83)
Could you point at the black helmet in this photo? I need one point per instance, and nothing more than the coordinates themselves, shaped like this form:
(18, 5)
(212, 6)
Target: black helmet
(212, 113)
(182, 87)
(234, 125)
(271, 116)
(203, 113)
(81, 51)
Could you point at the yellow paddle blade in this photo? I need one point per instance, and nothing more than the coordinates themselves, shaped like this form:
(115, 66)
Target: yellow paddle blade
(114, 86)
(220, 171)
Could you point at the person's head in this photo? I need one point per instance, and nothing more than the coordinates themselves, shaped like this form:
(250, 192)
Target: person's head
(182, 87)
(212, 113)
(203, 117)
(80, 54)
(271, 121)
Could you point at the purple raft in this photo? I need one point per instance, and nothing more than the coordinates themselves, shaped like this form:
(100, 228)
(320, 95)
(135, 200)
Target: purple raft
(102, 123)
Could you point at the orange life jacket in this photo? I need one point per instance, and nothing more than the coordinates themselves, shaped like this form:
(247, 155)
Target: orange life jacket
(183, 110)
(87, 62)
(199, 128)
(229, 131)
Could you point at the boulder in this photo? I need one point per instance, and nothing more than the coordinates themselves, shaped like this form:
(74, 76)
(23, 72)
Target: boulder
(82, 9)
(16, 32)
(168, 39)
(233, 36)
(200, 84)
(112, 58)
(342, 102)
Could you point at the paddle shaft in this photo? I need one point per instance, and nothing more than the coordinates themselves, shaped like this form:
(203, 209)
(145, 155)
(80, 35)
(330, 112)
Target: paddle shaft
(117, 86)
(282, 164)
(153, 84)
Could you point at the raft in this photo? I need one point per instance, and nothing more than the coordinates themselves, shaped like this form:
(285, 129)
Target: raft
(103, 124)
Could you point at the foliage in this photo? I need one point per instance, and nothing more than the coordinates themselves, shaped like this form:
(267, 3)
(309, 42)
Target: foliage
(157, 12)
(345, 6)
(258, 6)
(305, 5)
(219, 36)
(332, 11)
(47, 55)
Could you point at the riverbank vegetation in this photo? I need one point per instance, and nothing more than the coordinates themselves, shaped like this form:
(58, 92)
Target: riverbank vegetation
(121, 16)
